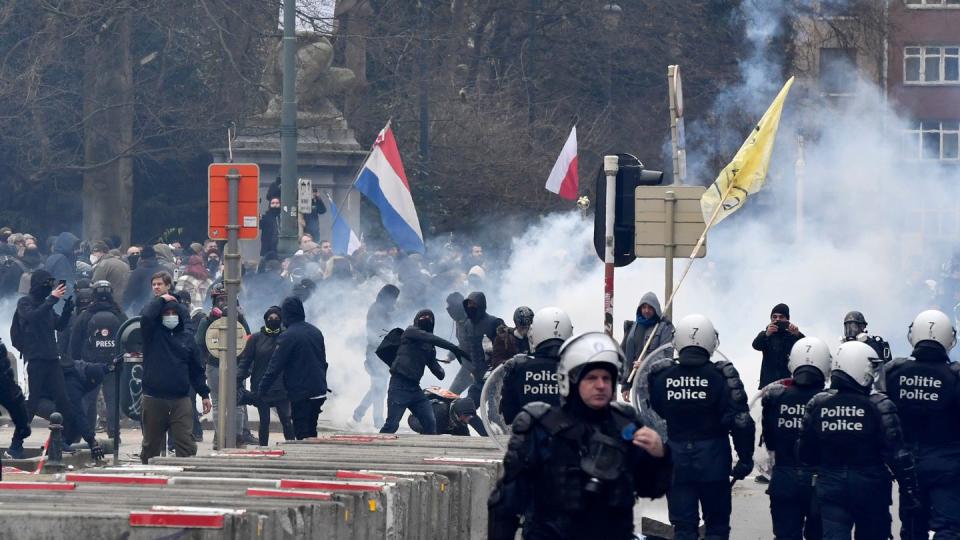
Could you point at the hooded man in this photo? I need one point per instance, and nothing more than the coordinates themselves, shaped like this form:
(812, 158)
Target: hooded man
(417, 351)
(459, 317)
(379, 322)
(480, 329)
(270, 228)
(33, 333)
(253, 362)
(775, 343)
(453, 417)
(139, 291)
(171, 366)
(62, 262)
(647, 316)
(301, 357)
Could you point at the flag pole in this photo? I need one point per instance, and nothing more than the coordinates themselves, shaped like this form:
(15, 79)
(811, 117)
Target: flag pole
(686, 270)
(356, 175)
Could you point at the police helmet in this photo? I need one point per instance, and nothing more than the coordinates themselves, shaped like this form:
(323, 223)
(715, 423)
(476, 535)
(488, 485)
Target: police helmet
(102, 290)
(858, 361)
(549, 323)
(810, 351)
(695, 331)
(932, 325)
(523, 317)
(591, 348)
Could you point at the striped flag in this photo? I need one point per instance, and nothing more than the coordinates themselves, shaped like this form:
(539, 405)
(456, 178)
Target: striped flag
(563, 179)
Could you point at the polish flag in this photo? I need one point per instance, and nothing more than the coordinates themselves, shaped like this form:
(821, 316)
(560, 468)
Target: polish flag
(563, 178)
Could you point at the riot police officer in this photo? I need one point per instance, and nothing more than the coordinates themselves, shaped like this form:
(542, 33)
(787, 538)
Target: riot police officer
(791, 484)
(703, 403)
(576, 470)
(855, 329)
(926, 389)
(852, 435)
(532, 377)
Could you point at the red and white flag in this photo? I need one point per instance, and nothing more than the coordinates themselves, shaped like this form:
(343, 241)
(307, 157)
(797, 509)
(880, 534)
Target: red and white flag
(563, 178)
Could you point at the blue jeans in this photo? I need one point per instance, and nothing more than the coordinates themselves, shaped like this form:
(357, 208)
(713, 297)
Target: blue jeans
(404, 394)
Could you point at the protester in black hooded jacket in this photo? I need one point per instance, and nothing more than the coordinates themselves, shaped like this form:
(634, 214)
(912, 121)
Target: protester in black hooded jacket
(62, 262)
(302, 358)
(479, 325)
(270, 228)
(171, 366)
(33, 332)
(417, 351)
(455, 309)
(253, 363)
(11, 398)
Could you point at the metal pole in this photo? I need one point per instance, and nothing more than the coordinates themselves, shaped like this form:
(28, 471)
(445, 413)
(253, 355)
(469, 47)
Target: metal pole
(670, 205)
(674, 135)
(423, 91)
(611, 164)
(117, 372)
(227, 413)
(288, 134)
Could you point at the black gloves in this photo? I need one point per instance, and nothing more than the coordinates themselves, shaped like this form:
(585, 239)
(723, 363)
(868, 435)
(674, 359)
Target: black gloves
(67, 306)
(741, 469)
(437, 371)
(96, 451)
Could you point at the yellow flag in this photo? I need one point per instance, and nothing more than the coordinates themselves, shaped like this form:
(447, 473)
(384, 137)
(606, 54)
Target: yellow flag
(747, 172)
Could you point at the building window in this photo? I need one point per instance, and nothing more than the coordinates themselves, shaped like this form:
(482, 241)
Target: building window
(931, 65)
(933, 140)
(838, 71)
(933, 3)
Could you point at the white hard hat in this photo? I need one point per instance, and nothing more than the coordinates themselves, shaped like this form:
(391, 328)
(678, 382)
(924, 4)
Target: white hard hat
(858, 361)
(810, 351)
(695, 331)
(589, 348)
(549, 323)
(932, 325)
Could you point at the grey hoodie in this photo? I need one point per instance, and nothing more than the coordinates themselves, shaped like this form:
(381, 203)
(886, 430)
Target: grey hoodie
(637, 336)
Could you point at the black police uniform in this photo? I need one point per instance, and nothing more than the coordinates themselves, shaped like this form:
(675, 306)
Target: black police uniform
(544, 478)
(926, 390)
(792, 507)
(702, 403)
(530, 378)
(852, 436)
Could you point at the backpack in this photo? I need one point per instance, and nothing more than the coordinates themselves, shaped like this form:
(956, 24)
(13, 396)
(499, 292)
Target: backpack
(387, 350)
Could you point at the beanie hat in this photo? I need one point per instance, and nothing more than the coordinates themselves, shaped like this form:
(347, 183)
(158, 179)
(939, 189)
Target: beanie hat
(782, 309)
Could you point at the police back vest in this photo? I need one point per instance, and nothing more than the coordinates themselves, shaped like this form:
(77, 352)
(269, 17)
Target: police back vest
(783, 409)
(529, 379)
(100, 345)
(848, 429)
(691, 399)
(926, 395)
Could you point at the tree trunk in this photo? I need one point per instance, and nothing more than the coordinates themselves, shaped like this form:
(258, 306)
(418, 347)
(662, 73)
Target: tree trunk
(108, 132)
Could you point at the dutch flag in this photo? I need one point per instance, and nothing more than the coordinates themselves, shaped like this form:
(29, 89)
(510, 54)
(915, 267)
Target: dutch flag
(383, 181)
(343, 240)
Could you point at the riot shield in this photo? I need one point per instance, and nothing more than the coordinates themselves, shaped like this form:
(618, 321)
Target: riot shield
(130, 346)
(763, 460)
(497, 428)
(640, 391)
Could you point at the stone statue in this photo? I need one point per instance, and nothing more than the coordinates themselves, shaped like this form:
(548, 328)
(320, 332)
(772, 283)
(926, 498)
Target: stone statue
(317, 80)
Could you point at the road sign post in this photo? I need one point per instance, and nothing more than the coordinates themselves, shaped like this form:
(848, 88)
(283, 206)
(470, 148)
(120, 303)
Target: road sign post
(668, 218)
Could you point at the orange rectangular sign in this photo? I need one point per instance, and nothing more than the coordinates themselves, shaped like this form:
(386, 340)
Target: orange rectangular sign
(248, 197)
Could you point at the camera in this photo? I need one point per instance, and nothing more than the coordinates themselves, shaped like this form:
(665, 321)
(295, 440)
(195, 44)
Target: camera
(783, 326)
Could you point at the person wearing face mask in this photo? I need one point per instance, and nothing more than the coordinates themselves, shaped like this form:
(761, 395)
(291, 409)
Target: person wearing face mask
(171, 366)
(512, 341)
(270, 228)
(480, 329)
(33, 332)
(133, 257)
(301, 357)
(107, 266)
(253, 362)
(417, 351)
(855, 329)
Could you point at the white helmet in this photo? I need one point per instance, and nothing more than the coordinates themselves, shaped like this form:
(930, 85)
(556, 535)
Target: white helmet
(858, 360)
(549, 323)
(810, 351)
(589, 348)
(932, 325)
(695, 331)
